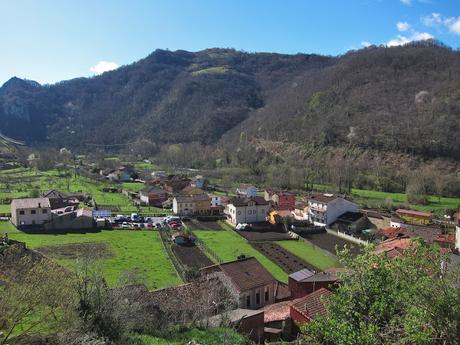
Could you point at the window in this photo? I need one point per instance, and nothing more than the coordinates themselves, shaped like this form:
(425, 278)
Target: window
(248, 301)
(239, 212)
(33, 211)
(33, 222)
(266, 295)
(258, 298)
(249, 212)
(21, 212)
(44, 211)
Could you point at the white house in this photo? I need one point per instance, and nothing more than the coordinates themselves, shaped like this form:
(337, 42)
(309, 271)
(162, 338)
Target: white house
(247, 210)
(246, 191)
(32, 211)
(324, 209)
(216, 200)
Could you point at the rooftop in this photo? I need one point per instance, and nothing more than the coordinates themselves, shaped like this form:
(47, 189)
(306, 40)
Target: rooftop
(302, 274)
(322, 198)
(31, 203)
(237, 201)
(313, 304)
(413, 213)
(247, 273)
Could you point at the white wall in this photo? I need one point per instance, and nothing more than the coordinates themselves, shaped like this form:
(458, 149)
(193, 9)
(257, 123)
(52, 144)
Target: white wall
(338, 207)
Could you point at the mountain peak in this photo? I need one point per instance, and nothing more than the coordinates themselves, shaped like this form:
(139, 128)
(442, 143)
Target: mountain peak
(18, 83)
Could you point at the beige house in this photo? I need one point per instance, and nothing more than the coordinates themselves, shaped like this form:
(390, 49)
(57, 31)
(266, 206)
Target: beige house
(30, 212)
(199, 204)
(247, 210)
(250, 284)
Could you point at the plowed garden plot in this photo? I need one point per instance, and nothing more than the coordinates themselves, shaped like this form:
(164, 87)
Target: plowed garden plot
(192, 256)
(201, 225)
(289, 262)
(264, 236)
(329, 242)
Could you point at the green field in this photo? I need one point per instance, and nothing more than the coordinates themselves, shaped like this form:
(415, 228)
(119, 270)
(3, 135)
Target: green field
(229, 245)
(21, 182)
(212, 336)
(139, 251)
(375, 199)
(310, 254)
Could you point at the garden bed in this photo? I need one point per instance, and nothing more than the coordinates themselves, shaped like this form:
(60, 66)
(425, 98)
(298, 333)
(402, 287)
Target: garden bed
(330, 242)
(289, 262)
(191, 256)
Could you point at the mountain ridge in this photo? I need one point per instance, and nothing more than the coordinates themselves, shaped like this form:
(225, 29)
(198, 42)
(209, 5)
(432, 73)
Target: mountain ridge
(402, 99)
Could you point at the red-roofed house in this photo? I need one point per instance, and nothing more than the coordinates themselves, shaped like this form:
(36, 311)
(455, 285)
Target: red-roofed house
(311, 306)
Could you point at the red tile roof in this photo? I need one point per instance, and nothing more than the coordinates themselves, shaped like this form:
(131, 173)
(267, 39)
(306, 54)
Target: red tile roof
(314, 304)
(445, 238)
(393, 247)
(392, 232)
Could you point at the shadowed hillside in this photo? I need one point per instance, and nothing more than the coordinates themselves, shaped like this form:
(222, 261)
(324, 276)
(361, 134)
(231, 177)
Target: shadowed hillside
(402, 99)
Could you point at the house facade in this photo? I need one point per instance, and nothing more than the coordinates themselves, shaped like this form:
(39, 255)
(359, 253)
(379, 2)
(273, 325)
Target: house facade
(282, 201)
(153, 196)
(183, 205)
(30, 212)
(250, 284)
(247, 210)
(246, 191)
(324, 209)
(198, 204)
(414, 217)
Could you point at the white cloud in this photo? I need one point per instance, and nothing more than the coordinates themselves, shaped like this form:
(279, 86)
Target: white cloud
(438, 20)
(398, 41)
(403, 26)
(453, 24)
(434, 19)
(415, 36)
(407, 2)
(103, 66)
(366, 43)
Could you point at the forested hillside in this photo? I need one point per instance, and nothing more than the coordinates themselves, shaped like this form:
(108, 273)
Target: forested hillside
(401, 99)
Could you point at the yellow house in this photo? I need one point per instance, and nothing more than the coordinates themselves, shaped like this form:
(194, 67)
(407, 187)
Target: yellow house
(414, 217)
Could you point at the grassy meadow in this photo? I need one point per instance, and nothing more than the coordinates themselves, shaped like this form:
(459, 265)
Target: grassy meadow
(310, 254)
(119, 252)
(229, 245)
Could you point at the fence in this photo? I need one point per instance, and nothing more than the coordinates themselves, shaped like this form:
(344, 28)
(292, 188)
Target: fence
(205, 249)
(166, 240)
(347, 237)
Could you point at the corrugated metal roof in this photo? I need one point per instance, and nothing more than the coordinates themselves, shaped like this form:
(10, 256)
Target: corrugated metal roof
(301, 275)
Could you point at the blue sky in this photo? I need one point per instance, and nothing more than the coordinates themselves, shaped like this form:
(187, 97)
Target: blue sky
(50, 41)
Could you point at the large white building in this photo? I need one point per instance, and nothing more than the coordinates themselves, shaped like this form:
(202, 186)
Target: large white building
(324, 209)
(31, 211)
(247, 210)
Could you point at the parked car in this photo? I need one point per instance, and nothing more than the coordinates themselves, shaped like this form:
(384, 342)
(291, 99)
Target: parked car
(135, 217)
(125, 225)
(158, 225)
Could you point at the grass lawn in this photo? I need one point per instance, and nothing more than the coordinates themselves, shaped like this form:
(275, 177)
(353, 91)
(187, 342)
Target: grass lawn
(310, 254)
(141, 251)
(376, 198)
(212, 336)
(229, 245)
(133, 186)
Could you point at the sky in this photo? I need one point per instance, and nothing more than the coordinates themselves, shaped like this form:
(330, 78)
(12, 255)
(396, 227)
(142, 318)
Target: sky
(54, 40)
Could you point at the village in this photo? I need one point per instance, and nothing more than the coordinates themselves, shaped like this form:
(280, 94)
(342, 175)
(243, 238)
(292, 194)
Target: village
(261, 260)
